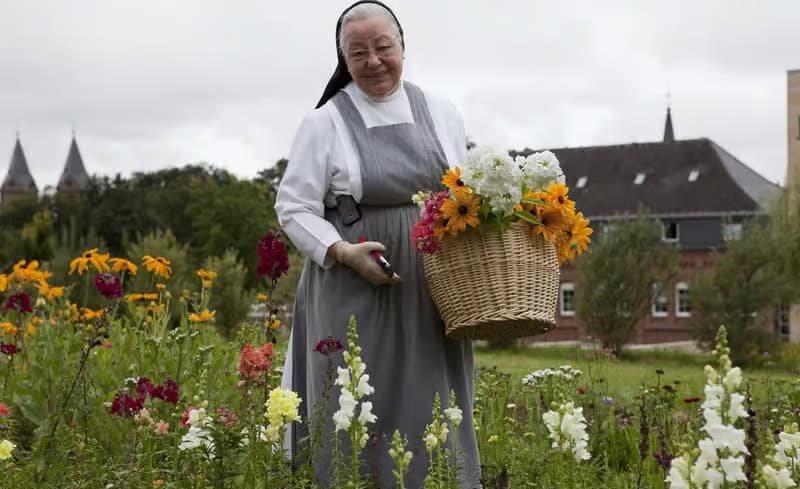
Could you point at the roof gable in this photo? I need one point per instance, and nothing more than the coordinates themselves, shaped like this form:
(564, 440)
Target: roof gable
(74, 176)
(18, 178)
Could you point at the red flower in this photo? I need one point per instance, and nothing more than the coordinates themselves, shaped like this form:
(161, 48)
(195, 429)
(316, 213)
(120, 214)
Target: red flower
(581, 390)
(167, 392)
(125, 405)
(144, 387)
(19, 301)
(691, 400)
(4, 411)
(328, 346)
(254, 361)
(185, 418)
(273, 257)
(109, 286)
(8, 348)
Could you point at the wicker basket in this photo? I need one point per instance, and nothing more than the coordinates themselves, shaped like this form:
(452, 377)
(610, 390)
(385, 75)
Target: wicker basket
(491, 286)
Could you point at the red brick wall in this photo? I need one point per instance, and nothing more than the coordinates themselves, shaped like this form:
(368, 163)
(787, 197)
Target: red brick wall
(650, 330)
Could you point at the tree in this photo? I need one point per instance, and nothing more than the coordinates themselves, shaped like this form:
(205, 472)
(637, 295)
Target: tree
(271, 177)
(228, 296)
(741, 293)
(616, 279)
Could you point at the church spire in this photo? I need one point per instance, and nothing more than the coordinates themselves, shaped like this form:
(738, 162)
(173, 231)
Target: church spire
(669, 135)
(18, 179)
(74, 176)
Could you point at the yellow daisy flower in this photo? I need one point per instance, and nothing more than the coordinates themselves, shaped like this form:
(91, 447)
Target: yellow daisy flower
(161, 286)
(90, 257)
(558, 199)
(203, 317)
(262, 297)
(452, 180)
(460, 212)
(553, 223)
(159, 266)
(91, 314)
(4, 281)
(8, 328)
(207, 284)
(206, 275)
(23, 273)
(48, 292)
(123, 265)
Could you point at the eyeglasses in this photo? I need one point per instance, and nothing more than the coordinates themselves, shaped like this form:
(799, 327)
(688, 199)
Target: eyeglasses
(383, 49)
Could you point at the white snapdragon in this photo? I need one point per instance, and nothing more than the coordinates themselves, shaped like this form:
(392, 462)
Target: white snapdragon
(783, 471)
(454, 415)
(355, 386)
(199, 434)
(567, 428)
(721, 452)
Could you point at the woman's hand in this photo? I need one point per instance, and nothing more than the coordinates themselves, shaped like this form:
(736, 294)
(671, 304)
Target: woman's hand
(358, 258)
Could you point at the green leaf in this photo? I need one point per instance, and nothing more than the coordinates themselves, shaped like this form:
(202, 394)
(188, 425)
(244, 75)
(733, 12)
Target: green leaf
(528, 217)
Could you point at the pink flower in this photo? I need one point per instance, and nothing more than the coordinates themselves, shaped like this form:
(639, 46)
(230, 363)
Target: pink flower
(108, 285)
(107, 344)
(162, 427)
(8, 348)
(4, 411)
(328, 346)
(125, 405)
(226, 416)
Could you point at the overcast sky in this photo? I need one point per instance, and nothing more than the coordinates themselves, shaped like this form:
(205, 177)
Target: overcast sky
(151, 84)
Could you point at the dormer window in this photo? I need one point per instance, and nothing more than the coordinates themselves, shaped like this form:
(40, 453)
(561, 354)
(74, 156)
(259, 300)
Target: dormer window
(581, 182)
(693, 175)
(639, 178)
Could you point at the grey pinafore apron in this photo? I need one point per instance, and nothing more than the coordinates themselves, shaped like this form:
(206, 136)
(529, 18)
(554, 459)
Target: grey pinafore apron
(407, 355)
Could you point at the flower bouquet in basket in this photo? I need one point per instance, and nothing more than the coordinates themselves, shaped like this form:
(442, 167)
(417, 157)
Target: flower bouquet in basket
(493, 241)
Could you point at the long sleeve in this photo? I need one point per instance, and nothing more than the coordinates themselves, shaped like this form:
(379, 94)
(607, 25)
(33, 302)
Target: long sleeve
(301, 195)
(450, 128)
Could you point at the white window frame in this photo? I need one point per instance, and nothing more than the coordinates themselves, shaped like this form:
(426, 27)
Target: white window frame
(566, 286)
(639, 179)
(656, 289)
(732, 236)
(693, 175)
(581, 182)
(680, 286)
(677, 237)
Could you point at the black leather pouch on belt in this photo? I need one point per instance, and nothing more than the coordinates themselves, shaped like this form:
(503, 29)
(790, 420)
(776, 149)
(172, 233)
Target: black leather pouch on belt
(348, 209)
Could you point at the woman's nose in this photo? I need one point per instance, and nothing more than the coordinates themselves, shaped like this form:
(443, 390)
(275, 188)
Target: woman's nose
(373, 59)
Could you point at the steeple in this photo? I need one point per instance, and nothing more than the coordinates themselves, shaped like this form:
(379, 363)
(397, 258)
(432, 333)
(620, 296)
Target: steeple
(18, 179)
(669, 135)
(74, 177)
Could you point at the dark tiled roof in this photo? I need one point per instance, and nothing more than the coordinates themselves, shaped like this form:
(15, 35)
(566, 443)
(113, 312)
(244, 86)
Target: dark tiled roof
(724, 185)
(74, 176)
(18, 178)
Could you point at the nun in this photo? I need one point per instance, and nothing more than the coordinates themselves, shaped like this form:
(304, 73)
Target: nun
(373, 141)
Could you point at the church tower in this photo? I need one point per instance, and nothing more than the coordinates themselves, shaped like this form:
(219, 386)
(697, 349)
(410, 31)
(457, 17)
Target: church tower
(19, 181)
(74, 177)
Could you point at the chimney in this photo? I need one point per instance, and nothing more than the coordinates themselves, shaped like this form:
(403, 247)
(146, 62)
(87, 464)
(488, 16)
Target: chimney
(793, 130)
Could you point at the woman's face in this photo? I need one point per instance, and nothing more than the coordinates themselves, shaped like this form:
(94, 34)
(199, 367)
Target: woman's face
(374, 55)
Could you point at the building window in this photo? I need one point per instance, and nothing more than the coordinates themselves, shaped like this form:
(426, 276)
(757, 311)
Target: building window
(639, 178)
(581, 182)
(782, 329)
(660, 307)
(683, 304)
(731, 231)
(669, 231)
(567, 299)
(693, 175)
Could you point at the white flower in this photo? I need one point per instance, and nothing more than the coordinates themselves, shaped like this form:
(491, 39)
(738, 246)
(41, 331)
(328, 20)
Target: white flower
(728, 437)
(443, 432)
(347, 408)
(732, 467)
(366, 415)
(343, 378)
(431, 441)
(708, 451)
(678, 477)
(454, 415)
(736, 409)
(197, 437)
(567, 428)
(778, 479)
(733, 379)
(363, 388)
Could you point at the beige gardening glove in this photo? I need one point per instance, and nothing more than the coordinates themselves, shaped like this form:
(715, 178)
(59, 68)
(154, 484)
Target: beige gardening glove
(358, 258)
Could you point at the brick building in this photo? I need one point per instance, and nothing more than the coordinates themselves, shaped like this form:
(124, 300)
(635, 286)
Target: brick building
(699, 192)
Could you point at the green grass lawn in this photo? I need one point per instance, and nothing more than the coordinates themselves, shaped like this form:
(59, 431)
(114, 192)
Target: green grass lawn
(620, 377)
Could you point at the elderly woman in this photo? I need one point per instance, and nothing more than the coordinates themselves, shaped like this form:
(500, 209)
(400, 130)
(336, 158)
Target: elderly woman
(372, 142)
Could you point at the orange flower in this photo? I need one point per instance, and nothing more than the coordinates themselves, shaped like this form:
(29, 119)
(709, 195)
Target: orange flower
(23, 273)
(205, 274)
(460, 212)
(553, 223)
(123, 265)
(452, 180)
(558, 199)
(8, 328)
(203, 317)
(89, 257)
(161, 286)
(91, 314)
(159, 266)
(48, 292)
(3, 282)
